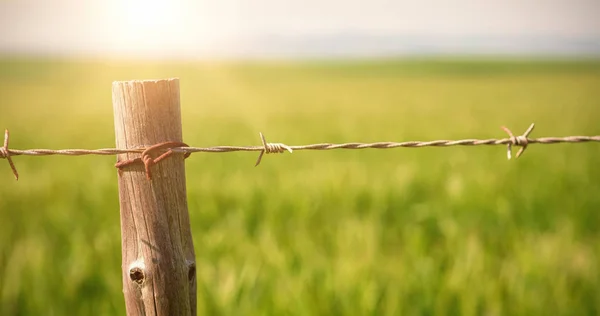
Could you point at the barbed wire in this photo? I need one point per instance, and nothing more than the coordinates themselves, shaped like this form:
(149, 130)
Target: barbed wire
(166, 149)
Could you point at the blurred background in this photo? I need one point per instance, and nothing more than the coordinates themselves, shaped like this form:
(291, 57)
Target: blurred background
(457, 230)
(272, 29)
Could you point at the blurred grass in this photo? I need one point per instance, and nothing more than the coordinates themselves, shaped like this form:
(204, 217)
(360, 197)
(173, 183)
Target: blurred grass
(406, 231)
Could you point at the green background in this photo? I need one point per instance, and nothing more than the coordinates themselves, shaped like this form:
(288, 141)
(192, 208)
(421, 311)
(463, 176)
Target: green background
(457, 230)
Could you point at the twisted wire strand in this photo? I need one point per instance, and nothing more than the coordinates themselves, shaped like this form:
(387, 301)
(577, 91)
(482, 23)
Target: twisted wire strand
(321, 146)
(521, 141)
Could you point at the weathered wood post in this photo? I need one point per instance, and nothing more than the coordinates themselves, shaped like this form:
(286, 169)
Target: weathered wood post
(159, 270)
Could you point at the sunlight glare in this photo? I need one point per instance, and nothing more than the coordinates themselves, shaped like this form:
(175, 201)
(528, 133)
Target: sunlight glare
(152, 26)
(152, 14)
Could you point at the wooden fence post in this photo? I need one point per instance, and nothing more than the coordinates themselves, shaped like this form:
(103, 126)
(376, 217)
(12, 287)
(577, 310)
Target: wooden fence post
(159, 270)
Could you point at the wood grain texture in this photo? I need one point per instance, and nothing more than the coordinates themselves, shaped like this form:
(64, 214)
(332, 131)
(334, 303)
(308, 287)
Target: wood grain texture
(157, 250)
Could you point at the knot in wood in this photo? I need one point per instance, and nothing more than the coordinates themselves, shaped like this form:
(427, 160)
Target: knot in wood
(136, 275)
(191, 270)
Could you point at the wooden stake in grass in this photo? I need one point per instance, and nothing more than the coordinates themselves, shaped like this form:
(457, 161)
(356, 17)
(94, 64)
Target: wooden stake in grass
(159, 270)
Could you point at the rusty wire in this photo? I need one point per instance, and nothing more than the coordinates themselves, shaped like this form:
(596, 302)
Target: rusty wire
(267, 148)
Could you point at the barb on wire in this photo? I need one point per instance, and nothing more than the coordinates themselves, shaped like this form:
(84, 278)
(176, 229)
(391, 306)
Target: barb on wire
(518, 141)
(271, 148)
(164, 150)
(5, 153)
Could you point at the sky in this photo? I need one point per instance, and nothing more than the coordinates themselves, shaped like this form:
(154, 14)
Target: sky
(236, 28)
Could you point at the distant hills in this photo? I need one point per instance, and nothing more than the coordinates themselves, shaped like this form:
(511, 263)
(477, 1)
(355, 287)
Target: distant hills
(339, 45)
(365, 45)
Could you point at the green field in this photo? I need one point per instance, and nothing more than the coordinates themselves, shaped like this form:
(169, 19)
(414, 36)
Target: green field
(404, 231)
